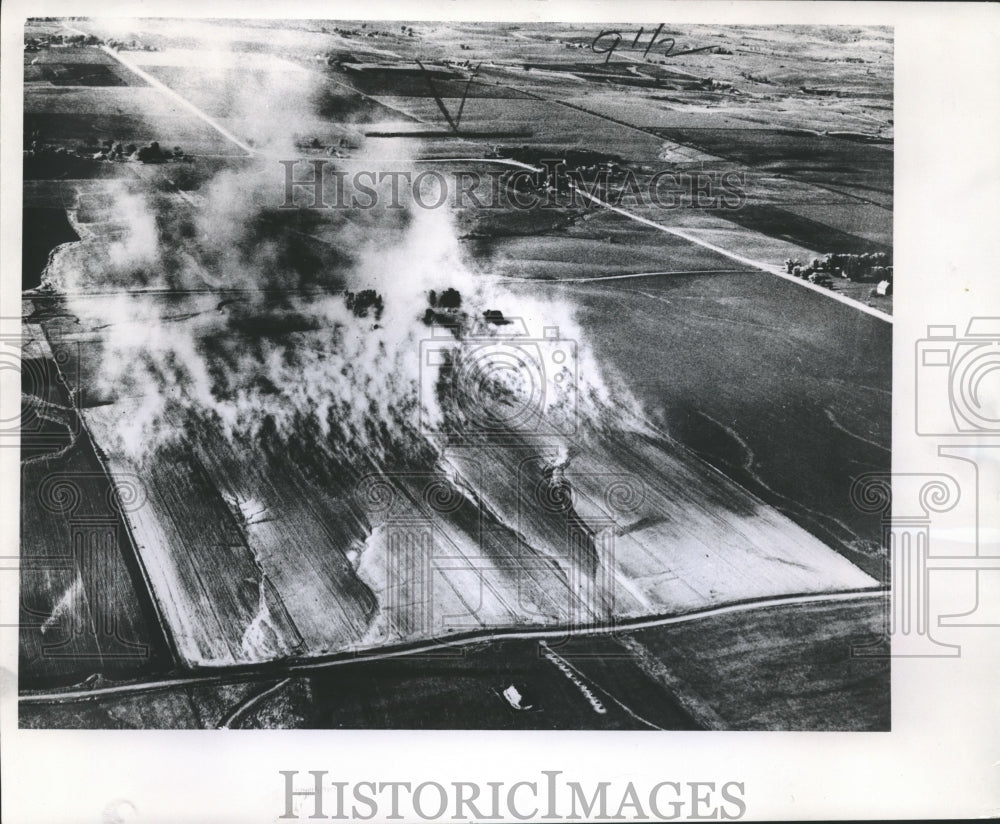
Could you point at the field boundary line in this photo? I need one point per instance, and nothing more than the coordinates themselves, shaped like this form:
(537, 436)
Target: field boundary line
(270, 670)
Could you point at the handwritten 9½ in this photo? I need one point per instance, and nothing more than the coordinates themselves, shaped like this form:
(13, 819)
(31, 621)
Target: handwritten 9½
(610, 39)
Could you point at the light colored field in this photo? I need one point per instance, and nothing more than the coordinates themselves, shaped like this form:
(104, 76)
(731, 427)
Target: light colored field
(795, 442)
(214, 60)
(139, 102)
(691, 539)
(250, 560)
(244, 567)
(606, 244)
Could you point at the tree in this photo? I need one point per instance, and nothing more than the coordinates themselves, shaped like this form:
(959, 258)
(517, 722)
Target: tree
(450, 299)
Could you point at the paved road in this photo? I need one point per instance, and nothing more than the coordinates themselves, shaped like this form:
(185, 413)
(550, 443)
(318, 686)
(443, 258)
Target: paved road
(449, 646)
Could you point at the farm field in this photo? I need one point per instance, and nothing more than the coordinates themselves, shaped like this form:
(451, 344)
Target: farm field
(696, 388)
(788, 668)
(326, 469)
(84, 608)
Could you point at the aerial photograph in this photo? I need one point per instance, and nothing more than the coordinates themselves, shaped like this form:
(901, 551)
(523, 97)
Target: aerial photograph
(440, 375)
